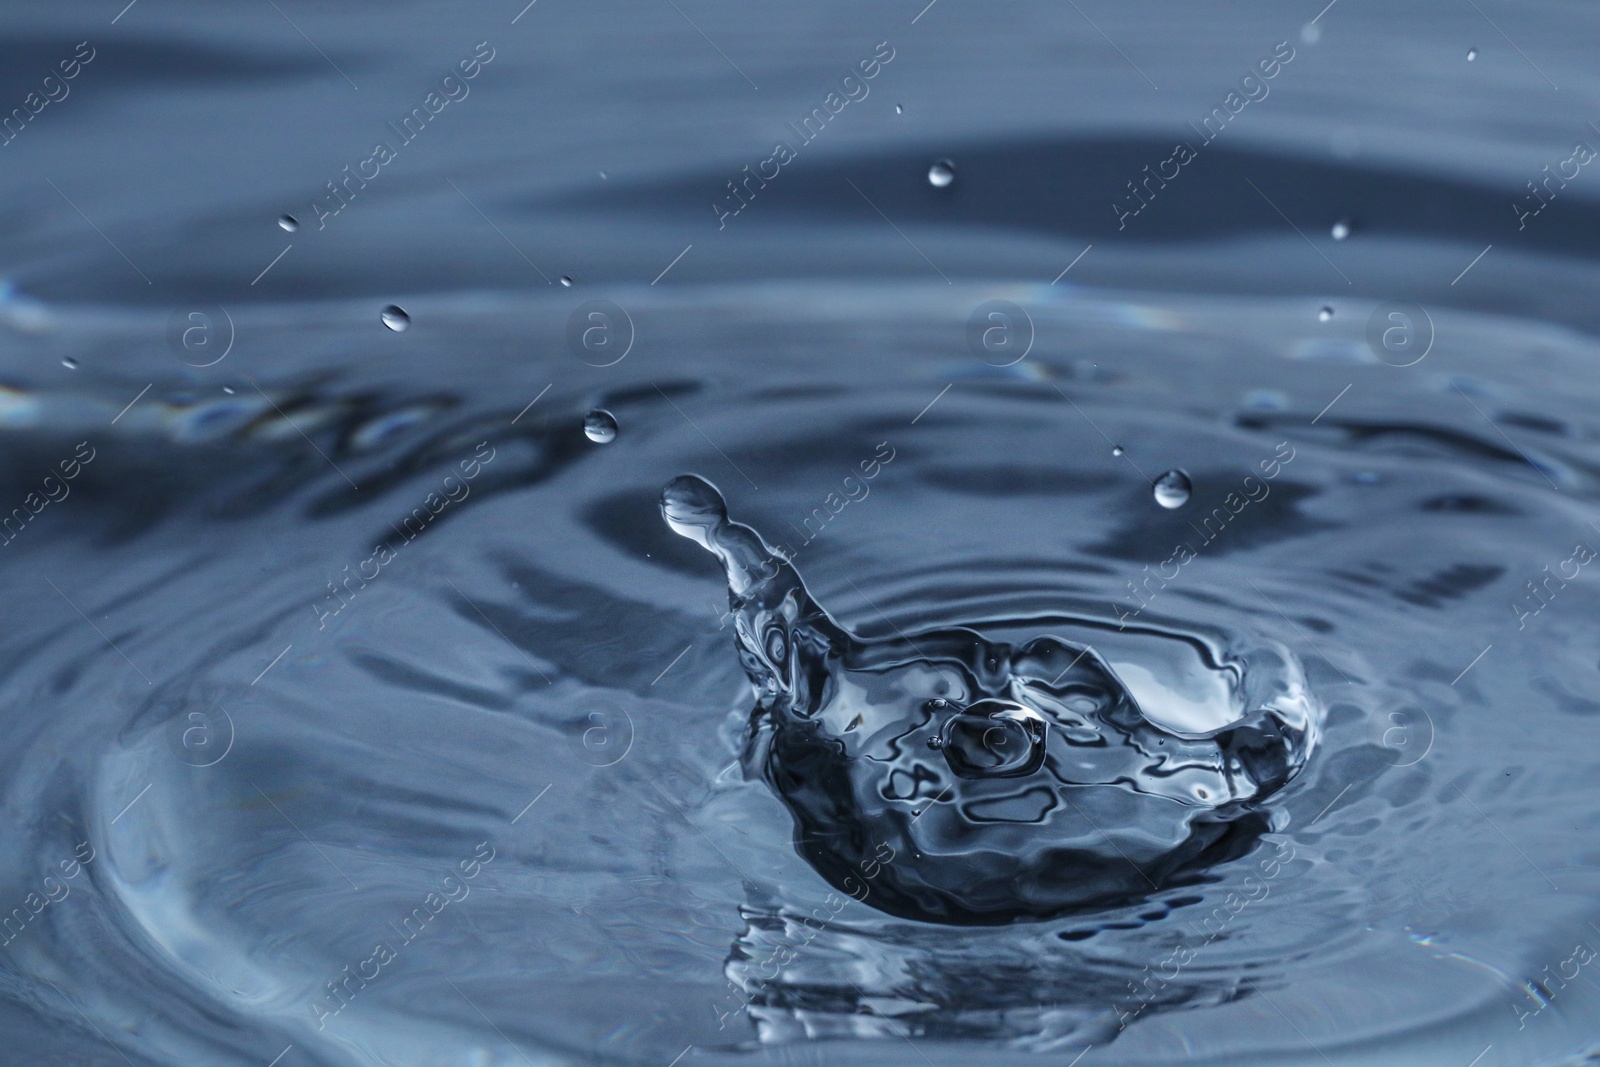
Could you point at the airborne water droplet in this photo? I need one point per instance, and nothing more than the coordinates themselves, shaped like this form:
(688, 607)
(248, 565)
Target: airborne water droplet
(1325, 314)
(1116, 450)
(228, 389)
(394, 316)
(898, 110)
(1172, 489)
(941, 174)
(566, 282)
(69, 363)
(288, 223)
(1341, 229)
(1472, 53)
(600, 426)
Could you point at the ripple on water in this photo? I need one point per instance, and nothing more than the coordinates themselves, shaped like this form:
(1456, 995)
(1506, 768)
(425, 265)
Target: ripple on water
(547, 671)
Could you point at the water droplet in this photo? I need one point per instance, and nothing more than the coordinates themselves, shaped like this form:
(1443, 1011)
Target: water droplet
(69, 363)
(1325, 314)
(1116, 450)
(394, 316)
(288, 223)
(228, 389)
(603, 175)
(1472, 53)
(898, 110)
(941, 174)
(1341, 229)
(600, 426)
(1172, 489)
(566, 282)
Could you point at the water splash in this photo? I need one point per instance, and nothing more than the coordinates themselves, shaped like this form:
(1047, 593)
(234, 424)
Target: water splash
(1003, 782)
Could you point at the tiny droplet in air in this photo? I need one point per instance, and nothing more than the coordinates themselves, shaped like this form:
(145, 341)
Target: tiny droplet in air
(898, 110)
(69, 363)
(394, 316)
(228, 389)
(1116, 450)
(1172, 489)
(603, 175)
(1341, 229)
(1325, 314)
(941, 174)
(1472, 53)
(566, 282)
(600, 426)
(288, 223)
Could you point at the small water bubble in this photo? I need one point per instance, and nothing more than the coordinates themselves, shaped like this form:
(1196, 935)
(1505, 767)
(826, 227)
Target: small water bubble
(1172, 489)
(941, 174)
(1325, 314)
(1341, 229)
(600, 426)
(394, 316)
(898, 110)
(288, 223)
(566, 282)
(69, 363)
(1472, 53)
(1116, 450)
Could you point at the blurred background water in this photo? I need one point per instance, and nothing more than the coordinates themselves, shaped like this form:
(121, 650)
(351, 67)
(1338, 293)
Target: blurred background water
(362, 710)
